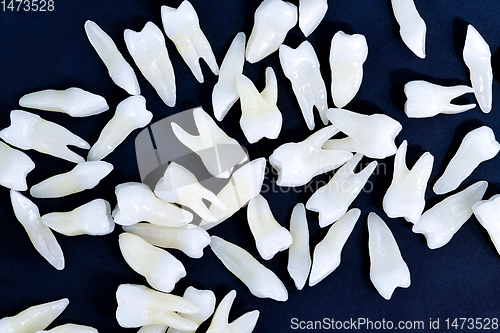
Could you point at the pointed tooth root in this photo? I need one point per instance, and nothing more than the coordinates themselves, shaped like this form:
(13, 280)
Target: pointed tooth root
(244, 324)
(412, 26)
(71, 328)
(311, 13)
(299, 257)
(487, 213)
(203, 299)
(14, 167)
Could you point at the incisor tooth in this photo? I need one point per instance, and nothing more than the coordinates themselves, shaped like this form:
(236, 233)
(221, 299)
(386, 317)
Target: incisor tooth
(71, 328)
(311, 12)
(203, 299)
(299, 257)
(220, 322)
(412, 26)
(14, 167)
(487, 213)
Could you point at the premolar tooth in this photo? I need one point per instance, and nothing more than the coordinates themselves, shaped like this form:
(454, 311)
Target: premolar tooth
(412, 26)
(487, 213)
(311, 12)
(14, 167)
(477, 146)
(71, 328)
(302, 68)
(299, 257)
(203, 299)
(182, 26)
(220, 322)
(30, 131)
(262, 282)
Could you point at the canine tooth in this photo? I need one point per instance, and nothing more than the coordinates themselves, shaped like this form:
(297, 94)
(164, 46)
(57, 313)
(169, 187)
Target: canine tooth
(405, 197)
(372, 136)
(182, 26)
(302, 68)
(260, 116)
(147, 48)
(487, 213)
(298, 162)
(311, 12)
(14, 167)
(153, 329)
(299, 257)
(477, 146)
(327, 254)
(261, 281)
(272, 21)
(412, 26)
(71, 328)
(204, 299)
(40, 235)
(83, 176)
(189, 238)
(442, 221)
(388, 269)
(30, 131)
(332, 200)
(220, 322)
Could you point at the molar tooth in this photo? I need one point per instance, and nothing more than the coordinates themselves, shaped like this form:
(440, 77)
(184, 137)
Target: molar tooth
(477, 146)
(273, 20)
(220, 322)
(14, 167)
(412, 26)
(71, 328)
(204, 299)
(261, 281)
(442, 221)
(311, 12)
(182, 26)
(299, 257)
(487, 213)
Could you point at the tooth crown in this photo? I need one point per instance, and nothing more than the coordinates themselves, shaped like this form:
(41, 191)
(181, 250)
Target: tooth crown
(204, 299)
(71, 328)
(311, 12)
(14, 167)
(487, 213)
(299, 257)
(412, 26)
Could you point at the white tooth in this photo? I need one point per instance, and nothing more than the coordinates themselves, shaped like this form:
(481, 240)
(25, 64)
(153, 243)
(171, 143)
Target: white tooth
(372, 136)
(442, 221)
(14, 167)
(260, 116)
(153, 329)
(189, 239)
(332, 200)
(161, 269)
(298, 162)
(33, 319)
(487, 213)
(140, 306)
(406, 194)
(136, 203)
(270, 237)
(71, 328)
(147, 48)
(40, 235)
(273, 20)
(212, 145)
(299, 257)
(182, 26)
(477, 57)
(477, 146)
(93, 218)
(412, 26)
(327, 253)
(204, 299)
(225, 93)
(388, 270)
(83, 176)
(262, 282)
(427, 99)
(30, 131)
(220, 322)
(311, 13)
(179, 185)
(302, 68)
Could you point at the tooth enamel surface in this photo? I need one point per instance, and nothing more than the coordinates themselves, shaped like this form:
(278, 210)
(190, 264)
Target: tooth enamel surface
(161, 269)
(426, 99)
(136, 203)
(218, 152)
(311, 13)
(388, 269)
(302, 68)
(332, 200)
(182, 26)
(203, 299)
(372, 136)
(40, 235)
(139, 306)
(298, 163)
(189, 239)
(327, 253)
(406, 195)
(30, 131)
(442, 221)
(153, 329)
(147, 48)
(299, 257)
(273, 20)
(71, 328)
(14, 167)
(412, 26)
(487, 213)
(477, 57)
(477, 146)
(347, 56)
(260, 116)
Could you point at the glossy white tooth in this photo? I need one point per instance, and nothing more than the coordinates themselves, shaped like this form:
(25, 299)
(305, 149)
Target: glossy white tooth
(14, 167)
(83, 176)
(311, 13)
(487, 213)
(477, 146)
(406, 194)
(71, 328)
(182, 26)
(327, 254)
(220, 322)
(298, 162)
(302, 68)
(412, 27)
(153, 329)
(299, 257)
(442, 221)
(203, 299)
(147, 48)
(272, 21)
(30, 131)
(40, 235)
(260, 116)
(189, 239)
(332, 200)
(262, 282)
(136, 203)
(372, 136)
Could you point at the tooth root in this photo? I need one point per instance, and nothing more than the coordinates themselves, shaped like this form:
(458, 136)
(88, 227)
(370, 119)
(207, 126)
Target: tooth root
(71, 328)
(153, 329)
(14, 167)
(487, 213)
(220, 322)
(311, 13)
(299, 257)
(412, 26)
(204, 299)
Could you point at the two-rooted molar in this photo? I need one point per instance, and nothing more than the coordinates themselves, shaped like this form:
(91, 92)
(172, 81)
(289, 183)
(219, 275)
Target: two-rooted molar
(299, 257)
(487, 213)
(71, 328)
(14, 167)
(204, 300)
(220, 322)
(412, 26)
(311, 12)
